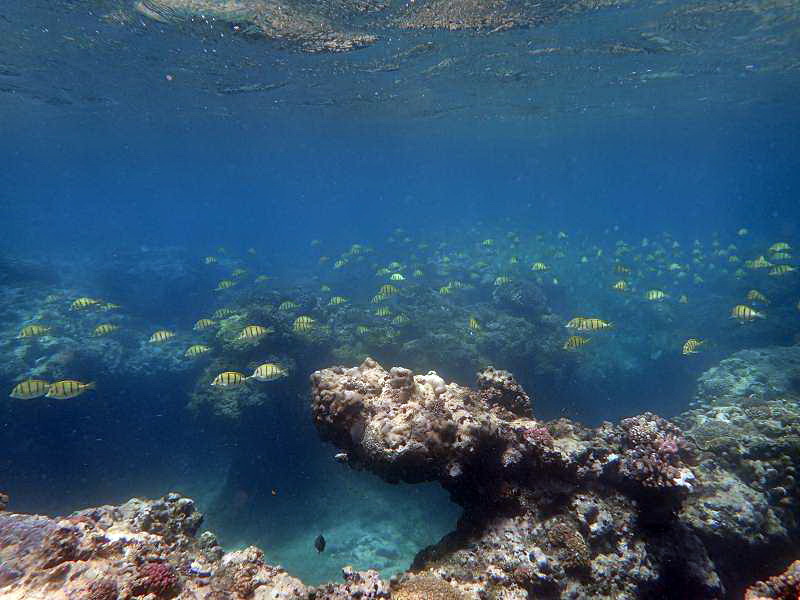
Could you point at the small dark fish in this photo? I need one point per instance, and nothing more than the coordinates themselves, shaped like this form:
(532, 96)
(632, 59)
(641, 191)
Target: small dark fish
(319, 543)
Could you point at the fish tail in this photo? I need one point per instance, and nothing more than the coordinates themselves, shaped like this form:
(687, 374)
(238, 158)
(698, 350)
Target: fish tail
(92, 385)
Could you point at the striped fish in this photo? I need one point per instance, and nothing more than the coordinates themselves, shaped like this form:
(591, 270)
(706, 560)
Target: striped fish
(229, 378)
(745, 313)
(303, 323)
(30, 388)
(781, 270)
(104, 329)
(691, 346)
(575, 341)
(68, 388)
(252, 332)
(224, 285)
(593, 324)
(83, 303)
(756, 296)
(196, 350)
(162, 335)
(268, 372)
(202, 324)
(33, 331)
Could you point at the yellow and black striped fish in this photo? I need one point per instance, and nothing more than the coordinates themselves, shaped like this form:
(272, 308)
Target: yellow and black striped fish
(229, 378)
(575, 341)
(539, 266)
(252, 332)
(620, 286)
(780, 247)
(162, 335)
(473, 324)
(401, 320)
(202, 324)
(621, 269)
(224, 285)
(655, 295)
(387, 289)
(287, 305)
(745, 313)
(337, 300)
(758, 263)
(68, 388)
(589, 324)
(83, 303)
(575, 322)
(222, 313)
(30, 388)
(383, 311)
(268, 372)
(104, 329)
(756, 296)
(196, 350)
(34, 331)
(779, 270)
(303, 324)
(691, 346)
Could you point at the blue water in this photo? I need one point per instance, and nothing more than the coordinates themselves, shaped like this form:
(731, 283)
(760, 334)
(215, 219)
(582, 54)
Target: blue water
(126, 160)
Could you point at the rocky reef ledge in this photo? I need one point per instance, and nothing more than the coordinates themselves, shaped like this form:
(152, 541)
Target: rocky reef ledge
(632, 510)
(558, 510)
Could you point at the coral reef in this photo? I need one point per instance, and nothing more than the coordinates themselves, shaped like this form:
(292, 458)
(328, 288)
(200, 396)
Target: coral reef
(140, 549)
(785, 586)
(762, 374)
(555, 509)
(552, 509)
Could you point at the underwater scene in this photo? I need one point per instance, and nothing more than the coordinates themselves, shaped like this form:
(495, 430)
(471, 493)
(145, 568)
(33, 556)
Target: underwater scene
(400, 299)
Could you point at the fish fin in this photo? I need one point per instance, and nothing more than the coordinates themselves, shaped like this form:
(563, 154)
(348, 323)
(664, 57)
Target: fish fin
(89, 386)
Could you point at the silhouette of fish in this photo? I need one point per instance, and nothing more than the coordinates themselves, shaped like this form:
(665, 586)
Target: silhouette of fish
(319, 543)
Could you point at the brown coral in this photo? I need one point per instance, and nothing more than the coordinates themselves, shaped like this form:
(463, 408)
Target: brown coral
(426, 588)
(785, 586)
(101, 589)
(498, 387)
(571, 545)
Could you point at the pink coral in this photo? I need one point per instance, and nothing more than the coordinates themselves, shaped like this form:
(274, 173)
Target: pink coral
(159, 578)
(538, 436)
